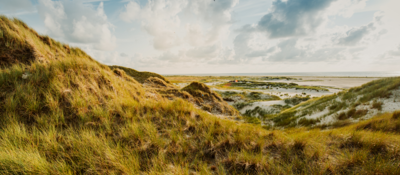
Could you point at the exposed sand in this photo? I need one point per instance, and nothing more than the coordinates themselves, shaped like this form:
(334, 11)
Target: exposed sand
(293, 92)
(318, 114)
(333, 84)
(212, 83)
(284, 93)
(229, 90)
(266, 105)
(389, 105)
(181, 85)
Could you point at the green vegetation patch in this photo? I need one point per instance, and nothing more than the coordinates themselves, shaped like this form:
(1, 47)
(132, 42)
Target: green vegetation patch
(279, 78)
(267, 85)
(241, 105)
(351, 98)
(247, 97)
(352, 113)
(296, 100)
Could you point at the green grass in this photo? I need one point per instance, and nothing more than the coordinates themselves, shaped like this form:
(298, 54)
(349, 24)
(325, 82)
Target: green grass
(377, 105)
(296, 100)
(241, 105)
(345, 100)
(279, 78)
(73, 115)
(256, 84)
(248, 97)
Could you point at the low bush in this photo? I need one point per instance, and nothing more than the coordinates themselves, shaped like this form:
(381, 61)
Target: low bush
(296, 100)
(377, 105)
(396, 115)
(351, 112)
(241, 105)
(307, 122)
(360, 113)
(342, 116)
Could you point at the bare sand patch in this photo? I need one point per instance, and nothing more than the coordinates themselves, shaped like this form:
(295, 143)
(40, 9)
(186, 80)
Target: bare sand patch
(265, 105)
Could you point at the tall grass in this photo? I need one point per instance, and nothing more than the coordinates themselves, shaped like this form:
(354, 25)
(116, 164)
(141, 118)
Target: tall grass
(73, 115)
(342, 104)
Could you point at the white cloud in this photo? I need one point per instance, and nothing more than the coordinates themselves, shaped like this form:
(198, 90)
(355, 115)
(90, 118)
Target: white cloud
(205, 52)
(188, 34)
(297, 31)
(194, 28)
(355, 35)
(249, 44)
(15, 5)
(395, 52)
(345, 8)
(294, 18)
(76, 22)
(159, 19)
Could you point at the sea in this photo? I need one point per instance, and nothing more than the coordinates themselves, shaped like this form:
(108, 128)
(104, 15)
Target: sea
(319, 74)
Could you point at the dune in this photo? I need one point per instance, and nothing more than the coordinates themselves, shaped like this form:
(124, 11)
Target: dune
(62, 112)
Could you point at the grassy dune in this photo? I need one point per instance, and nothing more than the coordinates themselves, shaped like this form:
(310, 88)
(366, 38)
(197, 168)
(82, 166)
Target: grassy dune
(139, 76)
(342, 105)
(73, 115)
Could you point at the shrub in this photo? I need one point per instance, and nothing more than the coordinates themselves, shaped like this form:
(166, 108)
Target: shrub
(360, 113)
(377, 105)
(241, 105)
(356, 104)
(336, 106)
(351, 113)
(255, 95)
(342, 116)
(296, 100)
(308, 122)
(396, 115)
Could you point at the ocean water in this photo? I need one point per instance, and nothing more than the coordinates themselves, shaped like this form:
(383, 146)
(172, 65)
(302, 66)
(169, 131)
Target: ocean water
(328, 74)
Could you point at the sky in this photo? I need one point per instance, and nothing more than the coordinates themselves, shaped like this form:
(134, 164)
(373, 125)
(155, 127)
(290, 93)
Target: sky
(223, 36)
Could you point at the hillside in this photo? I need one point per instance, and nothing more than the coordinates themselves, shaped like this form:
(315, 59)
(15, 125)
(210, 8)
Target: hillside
(141, 77)
(196, 93)
(61, 112)
(346, 107)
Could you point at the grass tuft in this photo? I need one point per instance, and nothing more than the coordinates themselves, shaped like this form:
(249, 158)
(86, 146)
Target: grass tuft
(377, 105)
(396, 115)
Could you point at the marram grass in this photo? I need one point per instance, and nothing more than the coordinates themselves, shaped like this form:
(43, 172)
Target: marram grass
(73, 115)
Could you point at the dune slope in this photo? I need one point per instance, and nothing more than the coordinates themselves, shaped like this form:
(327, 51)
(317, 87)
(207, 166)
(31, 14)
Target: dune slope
(345, 107)
(61, 112)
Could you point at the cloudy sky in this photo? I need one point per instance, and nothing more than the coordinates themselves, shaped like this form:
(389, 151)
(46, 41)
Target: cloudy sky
(224, 36)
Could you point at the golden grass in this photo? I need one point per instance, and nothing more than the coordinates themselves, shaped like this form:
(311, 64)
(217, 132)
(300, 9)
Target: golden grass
(209, 100)
(73, 115)
(139, 76)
